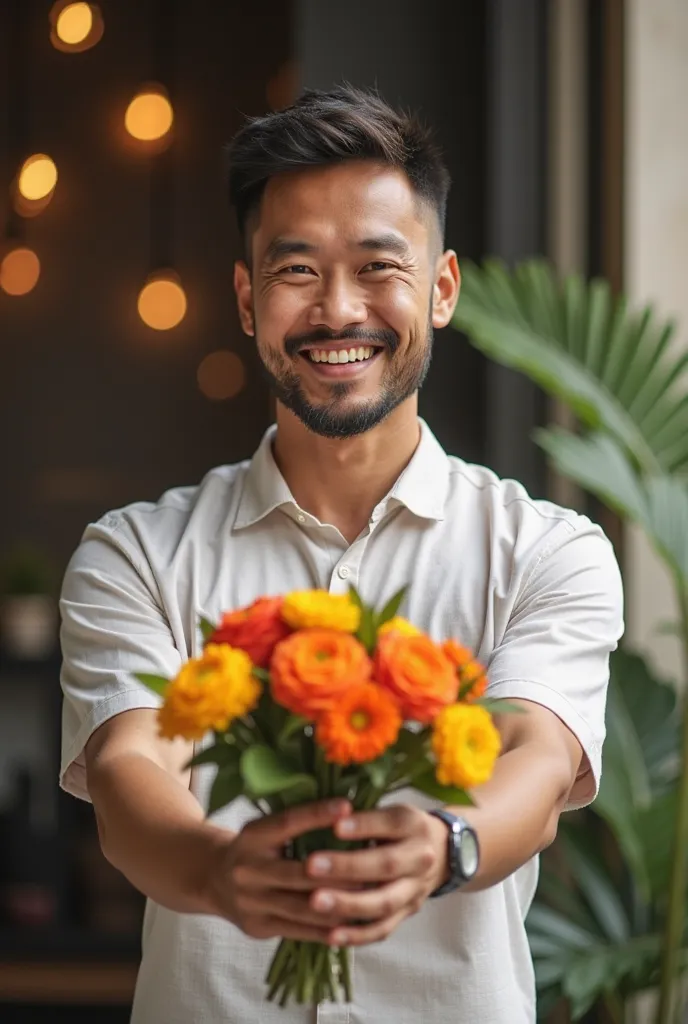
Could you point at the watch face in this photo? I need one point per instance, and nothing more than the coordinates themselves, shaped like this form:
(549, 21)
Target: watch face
(469, 854)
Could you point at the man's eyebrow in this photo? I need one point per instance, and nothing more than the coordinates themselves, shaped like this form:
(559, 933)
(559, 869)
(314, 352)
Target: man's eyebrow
(281, 247)
(386, 243)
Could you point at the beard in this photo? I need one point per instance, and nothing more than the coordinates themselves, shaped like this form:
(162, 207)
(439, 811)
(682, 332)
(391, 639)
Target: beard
(332, 418)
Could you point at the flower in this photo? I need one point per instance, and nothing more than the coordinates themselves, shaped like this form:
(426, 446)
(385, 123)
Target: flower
(314, 668)
(359, 726)
(317, 609)
(398, 625)
(417, 673)
(472, 678)
(254, 629)
(466, 744)
(208, 693)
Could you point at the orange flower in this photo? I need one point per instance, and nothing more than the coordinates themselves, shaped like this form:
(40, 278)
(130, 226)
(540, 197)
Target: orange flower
(472, 678)
(359, 726)
(255, 629)
(417, 672)
(313, 668)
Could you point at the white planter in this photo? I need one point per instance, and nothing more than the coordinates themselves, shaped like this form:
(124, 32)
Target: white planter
(28, 626)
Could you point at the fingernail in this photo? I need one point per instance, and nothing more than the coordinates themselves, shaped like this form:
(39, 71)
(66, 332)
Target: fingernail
(321, 865)
(324, 901)
(346, 827)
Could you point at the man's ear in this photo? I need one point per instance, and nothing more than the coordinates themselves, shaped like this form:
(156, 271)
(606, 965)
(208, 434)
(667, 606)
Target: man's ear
(445, 292)
(244, 294)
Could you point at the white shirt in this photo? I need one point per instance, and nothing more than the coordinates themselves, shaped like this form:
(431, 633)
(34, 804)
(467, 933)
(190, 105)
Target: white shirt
(532, 588)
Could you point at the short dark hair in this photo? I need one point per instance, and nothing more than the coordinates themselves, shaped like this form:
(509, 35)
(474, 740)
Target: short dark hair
(323, 128)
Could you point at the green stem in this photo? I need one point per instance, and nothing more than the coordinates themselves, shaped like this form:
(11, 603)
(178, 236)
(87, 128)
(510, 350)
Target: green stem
(615, 1007)
(343, 956)
(673, 935)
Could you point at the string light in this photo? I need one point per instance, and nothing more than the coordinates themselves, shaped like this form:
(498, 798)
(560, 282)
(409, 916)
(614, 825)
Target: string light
(37, 177)
(221, 375)
(75, 26)
(162, 302)
(19, 271)
(149, 116)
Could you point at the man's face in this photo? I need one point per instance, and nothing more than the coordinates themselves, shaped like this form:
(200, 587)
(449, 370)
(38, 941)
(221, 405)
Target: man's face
(340, 294)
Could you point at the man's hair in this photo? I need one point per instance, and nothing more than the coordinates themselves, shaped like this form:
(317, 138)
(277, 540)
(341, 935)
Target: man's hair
(334, 127)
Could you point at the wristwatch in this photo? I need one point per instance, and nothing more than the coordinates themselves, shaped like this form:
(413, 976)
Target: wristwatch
(463, 852)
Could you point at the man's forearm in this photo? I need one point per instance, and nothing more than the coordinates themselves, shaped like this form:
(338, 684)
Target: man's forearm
(516, 812)
(152, 829)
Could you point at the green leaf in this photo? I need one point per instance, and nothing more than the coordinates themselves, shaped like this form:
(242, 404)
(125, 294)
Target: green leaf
(378, 771)
(599, 890)
(219, 754)
(585, 981)
(293, 725)
(261, 674)
(427, 783)
(570, 936)
(266, 772)
(391, 608)
(207, 629)
(158, 684)
(366, 631)
(227, 786)
(616, 369)
(497, 706)
(355, 596)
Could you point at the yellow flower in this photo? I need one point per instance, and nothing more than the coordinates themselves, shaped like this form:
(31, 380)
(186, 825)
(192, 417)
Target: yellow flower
(398, 625)
(208, 693)
(316, 609)
(466, 744)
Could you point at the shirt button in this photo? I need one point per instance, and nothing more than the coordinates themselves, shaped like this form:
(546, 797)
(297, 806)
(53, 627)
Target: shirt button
(301, 519)
(343, 571)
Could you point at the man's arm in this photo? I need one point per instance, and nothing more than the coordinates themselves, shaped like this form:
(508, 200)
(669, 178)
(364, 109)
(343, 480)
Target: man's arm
(516, 816)
(153, 830)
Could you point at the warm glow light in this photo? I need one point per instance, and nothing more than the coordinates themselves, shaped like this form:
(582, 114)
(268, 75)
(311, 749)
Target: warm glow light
(162, 303)
(19, 271)
(221, 375)
(74, 23)
(37, 177)
(149, 116)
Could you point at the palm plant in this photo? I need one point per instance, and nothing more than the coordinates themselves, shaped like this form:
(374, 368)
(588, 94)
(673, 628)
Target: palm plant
(616, 370)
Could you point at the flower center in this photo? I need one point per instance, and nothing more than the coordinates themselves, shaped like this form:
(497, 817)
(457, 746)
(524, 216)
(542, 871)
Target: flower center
(322, 655)
(360, 720)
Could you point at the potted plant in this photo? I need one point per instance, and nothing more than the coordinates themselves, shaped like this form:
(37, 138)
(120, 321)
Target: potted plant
(28, 609)
(616, 370)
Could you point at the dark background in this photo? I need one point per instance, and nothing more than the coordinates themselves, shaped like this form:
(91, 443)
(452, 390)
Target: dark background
(98, 410)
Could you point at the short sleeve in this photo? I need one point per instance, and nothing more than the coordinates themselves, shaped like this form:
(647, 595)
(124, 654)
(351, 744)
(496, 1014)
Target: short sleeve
(112, 625)
(555, 650)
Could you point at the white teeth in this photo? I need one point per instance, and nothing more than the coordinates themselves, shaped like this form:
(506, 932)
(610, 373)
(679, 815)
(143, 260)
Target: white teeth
(342, 355)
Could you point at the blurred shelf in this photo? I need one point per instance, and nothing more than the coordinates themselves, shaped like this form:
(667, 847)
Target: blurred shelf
(70, 984)
(57, 944)
(22, 668)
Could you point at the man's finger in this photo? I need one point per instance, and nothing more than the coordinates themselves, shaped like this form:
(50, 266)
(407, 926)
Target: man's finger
(275, 830)
(278, 873)
(385, 823)
(288, 907)
(365, 904)
(381, 864)
(363, 935)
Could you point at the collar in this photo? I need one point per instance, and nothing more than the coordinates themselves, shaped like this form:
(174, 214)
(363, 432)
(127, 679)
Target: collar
(422, 487)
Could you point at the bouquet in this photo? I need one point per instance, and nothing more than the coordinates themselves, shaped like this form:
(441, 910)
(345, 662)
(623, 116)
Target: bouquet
(311, 696)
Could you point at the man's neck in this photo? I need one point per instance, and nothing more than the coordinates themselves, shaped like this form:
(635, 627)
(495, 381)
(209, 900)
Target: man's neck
(341, 481)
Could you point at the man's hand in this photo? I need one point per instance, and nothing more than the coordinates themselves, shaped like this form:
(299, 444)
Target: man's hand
(264, 894)
(410, 863)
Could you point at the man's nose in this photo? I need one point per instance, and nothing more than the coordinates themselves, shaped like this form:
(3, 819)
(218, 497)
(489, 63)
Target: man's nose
(338, 304)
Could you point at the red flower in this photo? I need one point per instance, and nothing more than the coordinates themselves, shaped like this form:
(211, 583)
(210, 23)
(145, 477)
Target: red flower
(255, 629)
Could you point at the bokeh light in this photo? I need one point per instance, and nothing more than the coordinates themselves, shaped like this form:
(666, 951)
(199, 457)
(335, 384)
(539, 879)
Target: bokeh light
(149, 116)
(37, 177)
(162, 302)
(221, 375)
(19, 271)
(75, 26)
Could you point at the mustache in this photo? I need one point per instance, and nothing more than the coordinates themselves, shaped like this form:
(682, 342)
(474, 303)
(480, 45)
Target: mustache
(388, 338)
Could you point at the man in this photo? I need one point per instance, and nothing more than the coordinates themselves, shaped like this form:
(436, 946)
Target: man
(340, 202)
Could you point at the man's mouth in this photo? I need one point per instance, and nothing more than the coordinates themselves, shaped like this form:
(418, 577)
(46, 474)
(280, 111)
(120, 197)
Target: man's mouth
(355, 354)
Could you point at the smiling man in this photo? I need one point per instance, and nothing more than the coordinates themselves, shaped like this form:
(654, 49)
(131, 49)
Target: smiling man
(340, 201)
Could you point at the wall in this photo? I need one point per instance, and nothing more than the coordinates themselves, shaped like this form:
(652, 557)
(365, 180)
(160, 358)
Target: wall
(656, 226)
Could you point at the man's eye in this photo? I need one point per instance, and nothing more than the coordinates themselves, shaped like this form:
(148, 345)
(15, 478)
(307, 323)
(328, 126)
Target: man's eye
(297, 268)
(377, 265)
